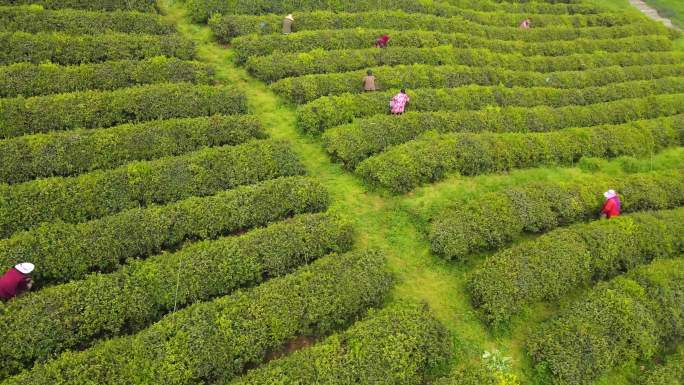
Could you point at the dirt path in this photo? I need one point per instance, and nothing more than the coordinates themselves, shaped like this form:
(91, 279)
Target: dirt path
(653, 14)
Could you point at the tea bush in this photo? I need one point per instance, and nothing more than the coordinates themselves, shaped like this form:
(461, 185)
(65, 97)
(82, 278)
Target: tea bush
(670, 372)
(97, 5)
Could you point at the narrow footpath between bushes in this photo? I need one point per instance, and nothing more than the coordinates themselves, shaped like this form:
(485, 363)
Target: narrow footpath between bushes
(653, 13)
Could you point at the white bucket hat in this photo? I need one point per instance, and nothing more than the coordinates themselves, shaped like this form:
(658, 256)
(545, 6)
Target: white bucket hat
(25, 267)
(289, 17)
(610, 194)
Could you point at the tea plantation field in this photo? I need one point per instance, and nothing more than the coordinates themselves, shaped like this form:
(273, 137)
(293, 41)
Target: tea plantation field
(210, 201)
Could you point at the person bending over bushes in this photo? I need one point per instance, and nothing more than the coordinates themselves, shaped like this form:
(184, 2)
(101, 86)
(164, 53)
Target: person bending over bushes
(399, 102)
(16, 281)
(369, 82)
(611, 208)
(382, 41)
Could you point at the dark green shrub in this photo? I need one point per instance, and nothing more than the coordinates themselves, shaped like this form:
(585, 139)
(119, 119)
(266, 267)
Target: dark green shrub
(671, 372)
(461, 229)
(95, 109)
(66, 49)
(357, 141)
(306, 88)
(332, 111)
(359, 355)
(226, 27)
(555, 264)
(631, 317)
(25, 79)
(64, 252)
(76, 22)
(218, 340)
(97, 5)
(141, 292)
(66, 153)
(432, 156)
(139, 184)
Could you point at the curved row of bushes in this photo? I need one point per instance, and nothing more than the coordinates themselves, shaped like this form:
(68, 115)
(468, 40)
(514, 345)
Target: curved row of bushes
(140, 293)
(65, 49)
(330, 111)
(65, 153)
(566, 259)
(64, 252)
(359, 356)
(433, 156)
(310, 87)
(96, 109)
(76, 22)
(227, 27)
(139, 184)
(25, 79)
(629, 318)
(355, 142)
(95, 5)
(670, 372)
(261, 45)
(281, 65)
(218, 340)
(469, 227)
(201, 10)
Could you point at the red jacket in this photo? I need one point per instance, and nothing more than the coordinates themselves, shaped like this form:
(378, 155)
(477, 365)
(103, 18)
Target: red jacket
(13, 283)
(611, 208)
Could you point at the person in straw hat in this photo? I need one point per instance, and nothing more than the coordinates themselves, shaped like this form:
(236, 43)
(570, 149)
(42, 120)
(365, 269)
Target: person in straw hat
(16, 280)
(611, 207)
(287, 24)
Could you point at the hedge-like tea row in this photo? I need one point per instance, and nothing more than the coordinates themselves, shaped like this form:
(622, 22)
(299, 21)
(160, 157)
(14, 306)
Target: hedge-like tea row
(227, 27)
(629, 318)
(218, 340)
(357, 141)
(262, 45)
(671, 372)
(75, 22)
(96, 5)
(95, 109)
(65, 49)
(65, 153)
(281, 65)
(566, 259)
(142, 292)
(432, 156)
(359, 356)
(201, 10)
(310, 87)
(64, 252)
(469, 227)
(25, 79)
(327, 112)
(101, 193)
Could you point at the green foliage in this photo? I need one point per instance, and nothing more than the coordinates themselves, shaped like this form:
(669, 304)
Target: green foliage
(631, 317)
(95, 109)
(281, 65)
(553, 265)
(220, 339)
(64, 252)
(357, 141)
(226, 27)
(66, 49)
(65, 153)
(139, 184)
(97, 5)
(398, 345)
(33, 19)
(143, 291)
(671, 372)
(331, 111)
(261, 45)
(494, 219)
(25, 79)
(310, 87)
(432, 156)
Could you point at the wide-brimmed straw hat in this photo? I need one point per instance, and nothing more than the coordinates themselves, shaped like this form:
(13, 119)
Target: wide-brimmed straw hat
(610, 194)
(290, 17)
(25, 267)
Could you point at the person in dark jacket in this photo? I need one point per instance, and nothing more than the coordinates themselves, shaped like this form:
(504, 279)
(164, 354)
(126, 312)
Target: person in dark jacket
(16, 281)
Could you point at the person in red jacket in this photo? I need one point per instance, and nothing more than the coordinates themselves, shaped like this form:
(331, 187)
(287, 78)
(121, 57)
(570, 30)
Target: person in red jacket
(16, 281)
(611, 208)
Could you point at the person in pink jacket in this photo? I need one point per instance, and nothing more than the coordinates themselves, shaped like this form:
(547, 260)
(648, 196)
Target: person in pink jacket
(16, 281)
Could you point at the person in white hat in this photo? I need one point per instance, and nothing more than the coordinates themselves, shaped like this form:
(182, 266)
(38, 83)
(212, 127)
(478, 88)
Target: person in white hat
(287, 24)
(611, 207)
(16, 280)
